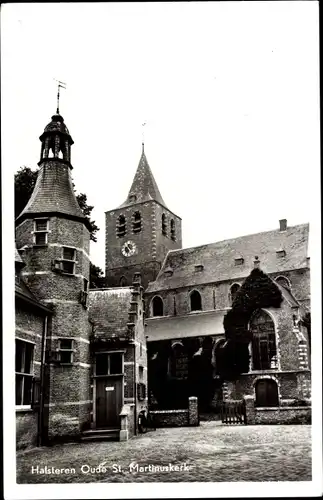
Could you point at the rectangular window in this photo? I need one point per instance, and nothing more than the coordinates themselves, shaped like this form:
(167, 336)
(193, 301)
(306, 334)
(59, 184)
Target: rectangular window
(40, 231)
(24, 372)
(239, 261)
(68, 260)
(141, 373)
(66, 351)
(199, 267)
(280, 253)
(109, 363)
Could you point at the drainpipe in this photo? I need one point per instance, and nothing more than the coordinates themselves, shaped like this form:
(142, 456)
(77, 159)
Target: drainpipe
(42, 380)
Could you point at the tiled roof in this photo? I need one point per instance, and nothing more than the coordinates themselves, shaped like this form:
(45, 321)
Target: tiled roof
(109, 311)
(219, 263)
(53, 192)
(22, 292)
(144, 186)
(18, 259)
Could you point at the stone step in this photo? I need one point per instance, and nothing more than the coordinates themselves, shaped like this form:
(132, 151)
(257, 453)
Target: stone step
(101, 434)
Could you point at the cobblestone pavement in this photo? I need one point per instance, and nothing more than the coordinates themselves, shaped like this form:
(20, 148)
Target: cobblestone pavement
(211, 452)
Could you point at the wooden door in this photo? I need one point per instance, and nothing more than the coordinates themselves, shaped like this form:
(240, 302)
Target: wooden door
(108, 401)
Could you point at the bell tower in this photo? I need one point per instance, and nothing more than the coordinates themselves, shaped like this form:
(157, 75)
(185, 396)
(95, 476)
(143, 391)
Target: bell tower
(140, 232)
(54, 236)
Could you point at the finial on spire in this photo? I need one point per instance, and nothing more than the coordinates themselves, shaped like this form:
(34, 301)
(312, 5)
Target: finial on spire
(60, 85)
(143, 137)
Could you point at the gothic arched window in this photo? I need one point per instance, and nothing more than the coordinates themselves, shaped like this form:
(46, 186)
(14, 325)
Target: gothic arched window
(282, 281)
(136, 222)
(157, 306)
(233, 291)
(196, 301)
(264, 352)
(266, 393)
(121, 226)
(172, 230)
(164, 225)
(178, 361)
(123, 281)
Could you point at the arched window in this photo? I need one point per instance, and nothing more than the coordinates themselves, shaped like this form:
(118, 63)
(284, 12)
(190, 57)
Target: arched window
(164, 225)
(178, 361)
(196, 301)
(266, 393)
(282, 281)
(264, 352)
(136, 222)
(157, 308)
(172, 230)
(121, 226)
(233, 291)
(123, 281)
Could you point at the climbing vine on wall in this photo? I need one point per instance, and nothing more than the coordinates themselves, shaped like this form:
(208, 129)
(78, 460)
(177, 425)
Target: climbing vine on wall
(258, 291)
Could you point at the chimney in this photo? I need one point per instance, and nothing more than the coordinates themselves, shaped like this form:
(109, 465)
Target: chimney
(256, 262)
(283, 225)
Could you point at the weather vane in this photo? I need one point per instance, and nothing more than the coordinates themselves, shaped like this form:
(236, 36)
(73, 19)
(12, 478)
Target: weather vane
(143, 136)
(61, 85)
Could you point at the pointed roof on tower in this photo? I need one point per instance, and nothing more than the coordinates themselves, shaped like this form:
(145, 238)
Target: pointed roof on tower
(144, 186)
(53, 193)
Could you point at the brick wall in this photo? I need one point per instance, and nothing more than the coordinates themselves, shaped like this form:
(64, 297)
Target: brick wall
(29, 327)
(152, 246)
(177, 418)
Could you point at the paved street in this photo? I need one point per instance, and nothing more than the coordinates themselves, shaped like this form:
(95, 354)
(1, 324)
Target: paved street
(210, 452)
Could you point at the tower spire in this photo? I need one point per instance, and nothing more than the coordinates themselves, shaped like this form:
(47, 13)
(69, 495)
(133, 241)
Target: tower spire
(143, 137)
(60, 85)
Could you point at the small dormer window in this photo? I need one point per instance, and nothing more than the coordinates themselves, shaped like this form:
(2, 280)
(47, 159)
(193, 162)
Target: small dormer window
(198, 268)
(238, 261)
(280, 253)
(41, 232)
(168, 272)
(132, 198)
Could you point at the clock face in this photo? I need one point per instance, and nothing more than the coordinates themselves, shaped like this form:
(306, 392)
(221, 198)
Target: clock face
(128, 248)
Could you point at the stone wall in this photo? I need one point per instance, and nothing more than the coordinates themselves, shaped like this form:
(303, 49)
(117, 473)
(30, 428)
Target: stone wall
(177, 418)
(281, 415)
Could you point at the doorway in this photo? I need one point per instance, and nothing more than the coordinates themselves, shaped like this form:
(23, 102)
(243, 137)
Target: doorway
(109, 381)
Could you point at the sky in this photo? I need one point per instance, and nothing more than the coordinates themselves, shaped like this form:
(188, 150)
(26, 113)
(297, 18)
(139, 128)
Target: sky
(229, 92)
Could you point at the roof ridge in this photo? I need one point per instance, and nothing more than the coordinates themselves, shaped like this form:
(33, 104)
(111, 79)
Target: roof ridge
(236, 238)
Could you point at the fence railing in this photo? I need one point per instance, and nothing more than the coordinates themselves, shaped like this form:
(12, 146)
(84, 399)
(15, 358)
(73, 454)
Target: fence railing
(233, 412)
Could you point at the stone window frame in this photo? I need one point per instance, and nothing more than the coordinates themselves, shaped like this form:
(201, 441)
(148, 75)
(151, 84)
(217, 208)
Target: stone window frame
(195, 291)
(25, 374)
(172, 230)
(169, 364)
(267, 377)
(164, 224)
(40, 232)
(69, 350)
(136, 223)
(152, 307)
(64, 259)
(285, 279)
(121, 227)
(274, 320)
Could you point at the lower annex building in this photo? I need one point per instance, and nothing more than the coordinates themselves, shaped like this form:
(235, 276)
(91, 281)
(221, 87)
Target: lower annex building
(88, 361)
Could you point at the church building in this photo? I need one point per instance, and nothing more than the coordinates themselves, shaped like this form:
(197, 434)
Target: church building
(88, 361)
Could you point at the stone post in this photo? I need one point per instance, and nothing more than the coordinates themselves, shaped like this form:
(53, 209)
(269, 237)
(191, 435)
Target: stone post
(249, 403)
(193, 412)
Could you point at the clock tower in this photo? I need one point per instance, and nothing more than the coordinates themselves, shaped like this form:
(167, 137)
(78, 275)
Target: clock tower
(140, 232)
